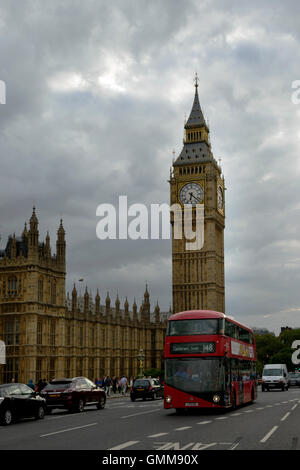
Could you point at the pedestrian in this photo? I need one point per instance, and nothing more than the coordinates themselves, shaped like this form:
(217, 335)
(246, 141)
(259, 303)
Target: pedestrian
(13, 380)
(99, 383)
(114, 384)
(123, 384)
(131, 383)
(107, 384)
(31, 384)
(119, 385)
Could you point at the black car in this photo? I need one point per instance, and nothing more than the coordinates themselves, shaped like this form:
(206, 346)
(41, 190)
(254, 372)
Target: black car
(19, 401)
(73, 394)
(146, 388)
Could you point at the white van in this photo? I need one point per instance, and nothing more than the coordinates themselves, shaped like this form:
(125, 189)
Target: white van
(275, 376)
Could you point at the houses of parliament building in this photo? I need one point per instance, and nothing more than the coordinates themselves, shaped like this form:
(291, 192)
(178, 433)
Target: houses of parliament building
(47, 336)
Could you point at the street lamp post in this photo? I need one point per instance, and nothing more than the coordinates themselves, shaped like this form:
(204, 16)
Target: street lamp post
(141, 357)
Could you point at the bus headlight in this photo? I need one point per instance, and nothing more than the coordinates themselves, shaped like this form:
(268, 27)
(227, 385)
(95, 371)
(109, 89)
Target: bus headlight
(216, 398)
(168, 399)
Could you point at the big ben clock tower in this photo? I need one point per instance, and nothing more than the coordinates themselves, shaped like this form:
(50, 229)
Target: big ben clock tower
(198, 275)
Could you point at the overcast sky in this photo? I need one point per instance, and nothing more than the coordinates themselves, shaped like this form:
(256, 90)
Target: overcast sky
(96, 97)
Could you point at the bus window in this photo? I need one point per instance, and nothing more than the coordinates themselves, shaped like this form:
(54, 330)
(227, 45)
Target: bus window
(244, 335)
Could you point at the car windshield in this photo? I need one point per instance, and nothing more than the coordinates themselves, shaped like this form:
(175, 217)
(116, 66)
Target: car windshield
(204, 326)
(294, 376)
(272, 372)
(58, 385)
(141, 383)
(196, 374)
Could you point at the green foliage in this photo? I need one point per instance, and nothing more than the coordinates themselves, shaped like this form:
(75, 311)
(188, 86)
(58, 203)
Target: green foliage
(153, 373)
(276, 350)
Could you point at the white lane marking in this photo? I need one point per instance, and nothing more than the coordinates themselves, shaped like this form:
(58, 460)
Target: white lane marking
(264, 439)
(159, 434)
(269, 406)
(262, 408)
(172, 445)
(285, 416)
(61, 416)
(67, 430)
(237, 414)
(124, 445)
(183, 428)
(249, 411)
(200, 446)
(222, 417)
(138, 414)
(204, 422)
(284, 402)
(294, 406)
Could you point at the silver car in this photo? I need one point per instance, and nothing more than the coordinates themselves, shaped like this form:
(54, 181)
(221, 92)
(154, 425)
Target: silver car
(294, 379)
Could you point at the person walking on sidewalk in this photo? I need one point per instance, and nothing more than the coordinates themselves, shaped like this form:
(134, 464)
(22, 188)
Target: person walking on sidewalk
(123, 384)
(107, 384)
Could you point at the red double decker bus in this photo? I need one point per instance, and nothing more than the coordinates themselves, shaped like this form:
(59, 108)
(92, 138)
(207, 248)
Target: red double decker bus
(210, 361)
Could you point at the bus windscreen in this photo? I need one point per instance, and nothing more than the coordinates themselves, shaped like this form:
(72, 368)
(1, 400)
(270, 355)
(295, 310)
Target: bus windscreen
(204, 326)
(192, 375)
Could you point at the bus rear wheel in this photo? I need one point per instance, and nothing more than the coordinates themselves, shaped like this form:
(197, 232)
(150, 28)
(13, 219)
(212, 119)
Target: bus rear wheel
(180, 411)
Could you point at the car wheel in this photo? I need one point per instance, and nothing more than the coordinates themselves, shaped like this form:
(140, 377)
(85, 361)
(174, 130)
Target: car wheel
(40, 414)
(180, 411)
(153, 396)
(80, 406)
(132, 398)
(49, 411)
(101, 403)
(7, 417)
(144, 398)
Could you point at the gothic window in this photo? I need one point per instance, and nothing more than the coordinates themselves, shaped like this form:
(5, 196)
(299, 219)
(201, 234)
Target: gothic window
(68, 339)
(79, 367)
(39, 333)
(81, 335)
(12, 331)
(92, 337)
(52, 368)
(52, 333)
(40, 290)
(38, 368)
(91, 368)
(53, 292)
(68, 367)
(12, 286)
(11, 370)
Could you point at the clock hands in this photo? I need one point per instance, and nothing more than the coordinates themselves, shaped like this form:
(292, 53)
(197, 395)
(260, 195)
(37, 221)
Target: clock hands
(192, 195)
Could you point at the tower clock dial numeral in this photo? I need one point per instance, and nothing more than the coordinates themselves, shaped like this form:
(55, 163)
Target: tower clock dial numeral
(220, 198)
(191, 193)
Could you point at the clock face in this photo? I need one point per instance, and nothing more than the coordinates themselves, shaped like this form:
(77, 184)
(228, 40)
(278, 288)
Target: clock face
(220, 198)
(191, 193)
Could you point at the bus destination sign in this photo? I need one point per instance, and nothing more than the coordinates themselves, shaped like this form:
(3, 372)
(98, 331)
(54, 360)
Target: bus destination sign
(192, 348)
